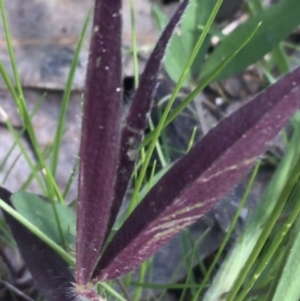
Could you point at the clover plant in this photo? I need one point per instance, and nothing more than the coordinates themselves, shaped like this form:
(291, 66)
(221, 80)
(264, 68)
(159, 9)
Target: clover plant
(108, 153)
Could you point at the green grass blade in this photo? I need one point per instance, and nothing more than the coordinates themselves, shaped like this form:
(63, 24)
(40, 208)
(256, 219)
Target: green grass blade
(289, 270)
(158, 148)
(187, 243)
(163, 118)
(71, 178)
(163, 285)
(111, 291)
(280, 58)
(134, 45)
(26, 183)
(278, 21)
(21, 132)
(53, 190)
(66, 98)
(288, 286)
(228, 234)
(186, 255)
(33, 169)
(265, 232)
(40, 213)
(10, 169)
(205, 81)
(16, 137)
(6, 237)
(68, 258)
(142, 274)
(192, 139)
(278, 54)
(12, 57)
(230, 270)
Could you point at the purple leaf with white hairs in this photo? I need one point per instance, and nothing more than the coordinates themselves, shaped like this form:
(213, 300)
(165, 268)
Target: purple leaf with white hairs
(137, 118)
(199, 180)
(100, 136)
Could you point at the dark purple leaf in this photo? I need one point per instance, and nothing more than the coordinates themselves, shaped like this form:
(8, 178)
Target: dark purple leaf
(136, 121)
(50, 272)
(198, 181)
(100, 136)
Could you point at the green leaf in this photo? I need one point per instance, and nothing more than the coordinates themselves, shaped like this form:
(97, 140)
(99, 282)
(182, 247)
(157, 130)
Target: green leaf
(277, 23)
(48, 263)
(185, 39)
(199, 179)
(66, 98)
(288, 286)
(176, 56)
(241, 252)
(159, 16)
(40, 213)
(197, 15)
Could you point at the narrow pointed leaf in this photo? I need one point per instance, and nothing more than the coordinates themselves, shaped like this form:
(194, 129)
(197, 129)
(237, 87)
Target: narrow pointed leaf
(198, 181)
(288, 285)
(136, 121)
(277, 22)
(100, 135)
(51, 273)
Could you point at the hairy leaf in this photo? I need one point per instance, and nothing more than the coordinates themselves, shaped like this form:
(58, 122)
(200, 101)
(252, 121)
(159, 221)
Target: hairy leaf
(51, 273)
(276, 23)
(197, 181)
(100, 136)
(136, 121)
(229, 272)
